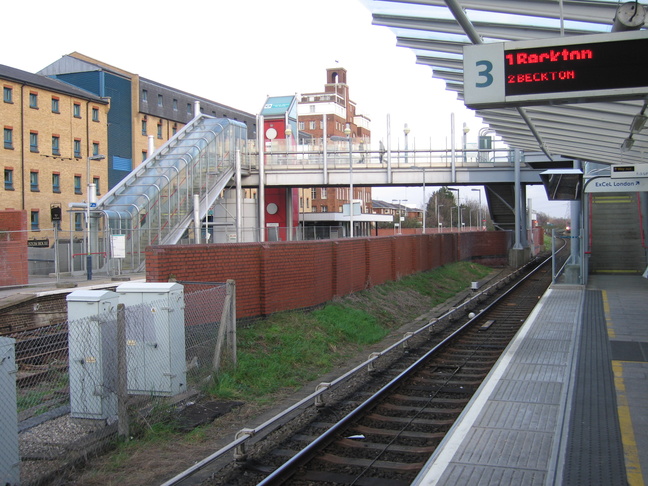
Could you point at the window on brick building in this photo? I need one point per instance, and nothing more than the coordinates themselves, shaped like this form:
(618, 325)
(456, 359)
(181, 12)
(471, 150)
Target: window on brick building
(76, 110)
(78, 226)
(55, 105)
(313, 193)
(56, 182)
(95, 148)
(95, 114)
(33, 181)
(8, 180)
(160, 100)
(77, 148)
(311, 125)
(95, 181)
(35, 221)
(77, 184)
(144, 96)
(323, 192)
(144, 128)
(175, 105)
(7, 94)
(56, 149)
(8, 138)
(159, 130)
(33, 142)
(33, 100)
(302, 125)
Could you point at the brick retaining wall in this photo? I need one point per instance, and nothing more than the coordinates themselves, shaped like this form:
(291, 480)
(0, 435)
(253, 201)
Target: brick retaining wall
(277, 276)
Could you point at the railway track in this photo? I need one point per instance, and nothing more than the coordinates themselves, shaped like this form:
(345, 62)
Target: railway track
(384, 431)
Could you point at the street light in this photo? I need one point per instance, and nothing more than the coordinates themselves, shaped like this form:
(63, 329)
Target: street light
(347, 132)
(406, 131)
(400, 223)
(465, 134)
(480, 208)
(458, 204)
(92, 201)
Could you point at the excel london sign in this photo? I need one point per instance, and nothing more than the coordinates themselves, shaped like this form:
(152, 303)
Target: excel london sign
(599, 67)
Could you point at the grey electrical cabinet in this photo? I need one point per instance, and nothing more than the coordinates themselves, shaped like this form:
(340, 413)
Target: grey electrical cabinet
(9, 457)
(155, 337)
(92, 345)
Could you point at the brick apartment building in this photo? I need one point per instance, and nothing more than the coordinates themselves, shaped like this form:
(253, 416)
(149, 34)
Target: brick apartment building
(50, 129)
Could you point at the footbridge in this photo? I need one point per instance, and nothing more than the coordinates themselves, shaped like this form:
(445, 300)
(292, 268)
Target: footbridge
(176, 189)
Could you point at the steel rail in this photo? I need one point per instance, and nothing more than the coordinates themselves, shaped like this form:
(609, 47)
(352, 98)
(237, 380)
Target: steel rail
(283, 472)
(247, 433)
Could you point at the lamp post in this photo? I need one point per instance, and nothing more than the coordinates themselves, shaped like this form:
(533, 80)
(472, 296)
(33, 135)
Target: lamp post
(461, 218)
(347, 132)
(480, 208)
(458, 205)
(400, 223)
(425, 203)
(406, 131)
(451, 223)
(92, 200)
(465, 134)
(438, 220)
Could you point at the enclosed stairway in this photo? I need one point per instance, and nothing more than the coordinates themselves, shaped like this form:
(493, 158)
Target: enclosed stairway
(154, 204)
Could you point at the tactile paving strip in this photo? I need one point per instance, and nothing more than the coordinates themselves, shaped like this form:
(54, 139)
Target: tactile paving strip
(594, 453)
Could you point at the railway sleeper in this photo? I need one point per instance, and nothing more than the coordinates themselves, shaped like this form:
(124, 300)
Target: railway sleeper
(385, 419)
(406, 434)
(405, 409)
(364, 463)
(340, 478)
(378, 446)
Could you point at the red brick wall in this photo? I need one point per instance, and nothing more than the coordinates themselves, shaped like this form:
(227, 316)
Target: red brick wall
(14, 269)
(271, 277)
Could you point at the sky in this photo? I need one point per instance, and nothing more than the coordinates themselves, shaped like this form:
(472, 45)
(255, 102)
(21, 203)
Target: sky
(239, 52)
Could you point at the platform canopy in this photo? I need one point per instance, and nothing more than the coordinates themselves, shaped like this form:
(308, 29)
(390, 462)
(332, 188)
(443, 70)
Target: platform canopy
(608, 130)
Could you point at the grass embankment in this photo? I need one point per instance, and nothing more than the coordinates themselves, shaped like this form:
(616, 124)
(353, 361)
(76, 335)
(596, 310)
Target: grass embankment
(276, 356)
(289, 349)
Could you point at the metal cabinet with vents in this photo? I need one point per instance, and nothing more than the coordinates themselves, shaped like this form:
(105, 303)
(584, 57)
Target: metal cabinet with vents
(92, 344)
(155, 337)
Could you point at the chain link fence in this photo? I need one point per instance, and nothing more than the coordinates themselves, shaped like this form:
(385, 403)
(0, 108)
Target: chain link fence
(120, 366)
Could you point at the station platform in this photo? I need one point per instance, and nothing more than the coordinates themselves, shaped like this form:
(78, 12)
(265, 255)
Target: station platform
(567, 402)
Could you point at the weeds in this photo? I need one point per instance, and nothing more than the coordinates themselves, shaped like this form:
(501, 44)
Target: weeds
(289, 349)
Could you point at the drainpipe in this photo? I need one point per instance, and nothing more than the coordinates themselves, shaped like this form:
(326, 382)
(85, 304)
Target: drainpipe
(22, 146)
